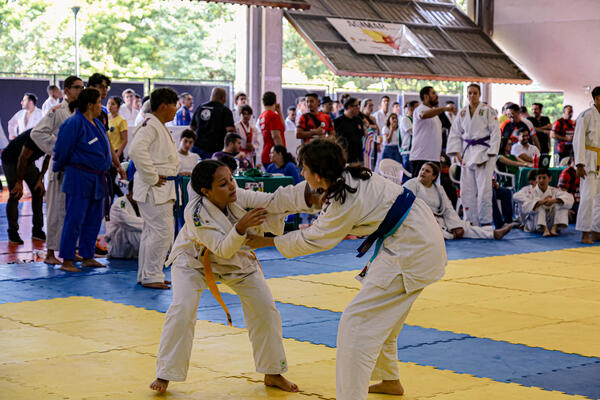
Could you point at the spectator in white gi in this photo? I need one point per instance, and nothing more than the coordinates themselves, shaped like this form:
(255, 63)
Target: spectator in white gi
(154, 153)
(427, 129)
(127, 110)
(290, 120)
(524, 194)
(383, 112)
(54, 97)
(187, 159)
(44, 136)
(522, 149)
(26, 118)
(475, 139)
(586, 145)
(425, 188)
(124, 229)
(547, 208)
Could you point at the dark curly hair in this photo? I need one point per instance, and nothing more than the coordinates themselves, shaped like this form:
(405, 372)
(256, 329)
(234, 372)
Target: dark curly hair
(204, 173)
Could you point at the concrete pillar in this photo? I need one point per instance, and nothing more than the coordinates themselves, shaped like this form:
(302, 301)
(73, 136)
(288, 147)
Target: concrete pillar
(272, 51)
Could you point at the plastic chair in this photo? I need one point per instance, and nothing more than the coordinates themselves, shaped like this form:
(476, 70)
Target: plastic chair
(506, 179)
(393, 170)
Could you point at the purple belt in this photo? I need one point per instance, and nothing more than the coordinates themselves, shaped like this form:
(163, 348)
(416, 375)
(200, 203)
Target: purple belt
(105, 177)
(475, 142)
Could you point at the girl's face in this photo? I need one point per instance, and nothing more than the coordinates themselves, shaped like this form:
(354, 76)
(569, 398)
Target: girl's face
(223, 190)
(276, 158)
(426, 175)
(313, 179)
(508, 147)
(394, 120)
(113, 108)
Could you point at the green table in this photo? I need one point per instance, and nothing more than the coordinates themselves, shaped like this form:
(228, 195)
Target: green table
(270, 183)
(524, 171)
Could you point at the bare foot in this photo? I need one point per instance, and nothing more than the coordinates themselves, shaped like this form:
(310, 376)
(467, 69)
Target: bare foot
(500, 233)
(586, 238)
(553, 231)
(67, 265)
(51, 259)
(160, 385)
(168, 282)
(280, 382)
(92, 263)
(546, 233)
(156, 285)
(78, 258)
(387, 387)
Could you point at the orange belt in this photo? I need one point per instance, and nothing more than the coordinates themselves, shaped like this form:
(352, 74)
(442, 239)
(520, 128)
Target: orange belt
(212, 283)
(597, 150)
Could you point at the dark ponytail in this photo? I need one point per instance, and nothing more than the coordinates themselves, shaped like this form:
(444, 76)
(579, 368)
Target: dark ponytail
(204, 173)
(326, 158)
(86, 97)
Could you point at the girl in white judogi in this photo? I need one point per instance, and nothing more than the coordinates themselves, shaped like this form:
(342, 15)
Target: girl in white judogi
(409, 255)
(547, 208)
(475, 139)
(211, 246)
(124, 229)
(425, 188)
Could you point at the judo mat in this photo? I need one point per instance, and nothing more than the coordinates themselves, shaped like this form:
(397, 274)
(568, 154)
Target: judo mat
(511, 319)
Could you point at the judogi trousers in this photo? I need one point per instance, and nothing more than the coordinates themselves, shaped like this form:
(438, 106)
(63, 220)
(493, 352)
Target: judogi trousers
(367, 337)
(476, 192)
(82, 221)
(124, 244)
(260, 316)
(547, 217)
(156, 239)
(472, 232)
(55, 210)
(588, 215)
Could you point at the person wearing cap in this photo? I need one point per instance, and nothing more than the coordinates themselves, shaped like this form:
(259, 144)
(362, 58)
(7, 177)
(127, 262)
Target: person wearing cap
(313, 123)
(327, 106)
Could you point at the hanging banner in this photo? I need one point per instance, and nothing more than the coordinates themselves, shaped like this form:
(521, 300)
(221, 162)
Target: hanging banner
(371, 37)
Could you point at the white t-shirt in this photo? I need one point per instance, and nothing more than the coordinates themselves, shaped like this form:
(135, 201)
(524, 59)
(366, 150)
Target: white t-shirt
(427, 136)
(289, 125)
(380, 118)
(187, 163)
(518, 149)
(394, 140)
(128, 115)
(406, 127)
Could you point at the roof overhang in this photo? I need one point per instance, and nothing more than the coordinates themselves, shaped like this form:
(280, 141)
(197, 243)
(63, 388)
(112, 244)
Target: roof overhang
(461, 51)
(289, 4)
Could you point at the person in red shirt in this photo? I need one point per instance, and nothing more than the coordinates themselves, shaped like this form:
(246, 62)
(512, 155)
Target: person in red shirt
(271, 126)
(562, 133)
(314, 123)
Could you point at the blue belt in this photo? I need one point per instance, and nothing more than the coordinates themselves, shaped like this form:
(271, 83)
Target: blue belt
(390, 224)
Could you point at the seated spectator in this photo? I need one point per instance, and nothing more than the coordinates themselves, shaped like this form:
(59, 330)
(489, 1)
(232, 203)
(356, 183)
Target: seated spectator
(124, 230)
(524, 194)
(282, 162)
(391, 139)
(511, 126)
(233, 145)
(227, 160)
(18, 164)
(508, 162)
(504, 214)
(547, 208)
(248, 132)
(187, 159)
(569, 182)
(523, 150)
(425, 188)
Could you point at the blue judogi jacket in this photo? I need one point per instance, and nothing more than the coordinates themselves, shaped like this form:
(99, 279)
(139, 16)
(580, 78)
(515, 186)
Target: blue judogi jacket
(81, 143)
(183, 116)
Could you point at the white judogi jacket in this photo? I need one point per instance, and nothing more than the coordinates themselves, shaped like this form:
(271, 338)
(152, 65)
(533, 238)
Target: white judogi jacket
(46, 131)
(207, 226)
(440, 204)
(49, 104)
(124, 229)
(416, 250)
(154, 153)
(536, 195)
(17, 125)
(587, 132)
(483, 123)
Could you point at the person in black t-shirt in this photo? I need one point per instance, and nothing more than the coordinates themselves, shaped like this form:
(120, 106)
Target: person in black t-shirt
(542, 125)
(18, 163)
(350, 129)
(211, 122)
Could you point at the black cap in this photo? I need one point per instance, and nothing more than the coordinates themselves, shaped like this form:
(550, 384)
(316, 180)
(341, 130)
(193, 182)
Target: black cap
(325, 100)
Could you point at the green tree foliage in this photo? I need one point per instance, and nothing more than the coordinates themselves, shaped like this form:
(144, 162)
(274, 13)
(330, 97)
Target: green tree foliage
(552, 101)
(124, 38)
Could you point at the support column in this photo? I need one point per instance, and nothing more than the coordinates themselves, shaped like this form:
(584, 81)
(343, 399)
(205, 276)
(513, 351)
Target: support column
(272, 51)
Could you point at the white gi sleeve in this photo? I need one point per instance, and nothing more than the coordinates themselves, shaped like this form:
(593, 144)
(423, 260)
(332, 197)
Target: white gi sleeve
(522, 195)
(451, 218)
(222, 245)
(286, 200)
(455, 141)
(566, 197)
(138, 152)
(43, 135)
(494, 128)
(119, 216)
(581, 127)
(13, 125)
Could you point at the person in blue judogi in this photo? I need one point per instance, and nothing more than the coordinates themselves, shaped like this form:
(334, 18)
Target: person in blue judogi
(184, 114)
(82, 151)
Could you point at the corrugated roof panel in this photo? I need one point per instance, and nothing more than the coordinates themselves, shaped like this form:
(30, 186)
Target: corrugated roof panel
(358, 9)
(471, 41)
(452, 65)
(444, 17)
(316, 8)
(399, 12)
(431, 38)
(497, 67)
(318, 28)
(345, 59)
(403, 65)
